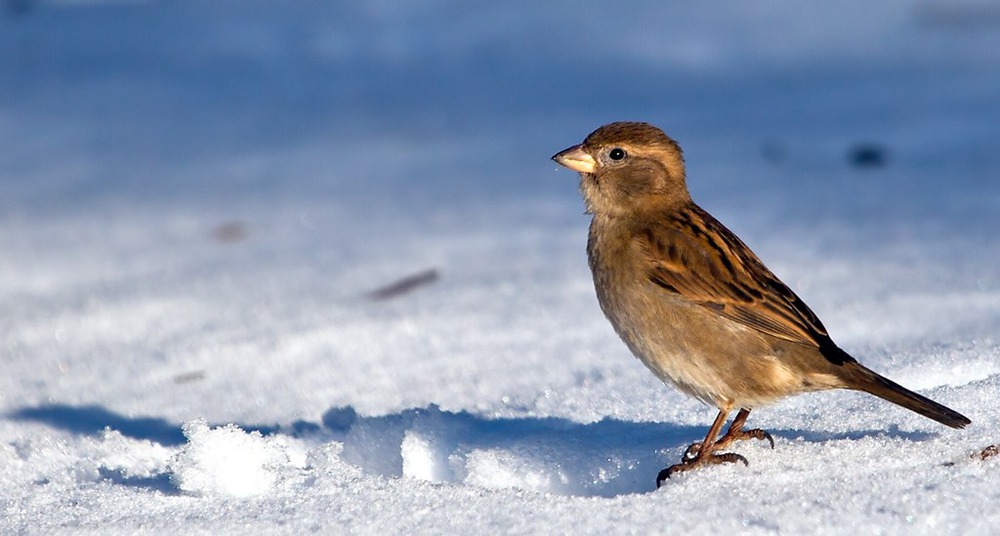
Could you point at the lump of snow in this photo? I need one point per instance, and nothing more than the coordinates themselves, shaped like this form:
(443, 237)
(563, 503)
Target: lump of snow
(502, 468)
(227, 461)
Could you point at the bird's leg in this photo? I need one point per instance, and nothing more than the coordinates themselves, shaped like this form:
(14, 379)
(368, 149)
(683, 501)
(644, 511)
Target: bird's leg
(735, 433)
(705, 454)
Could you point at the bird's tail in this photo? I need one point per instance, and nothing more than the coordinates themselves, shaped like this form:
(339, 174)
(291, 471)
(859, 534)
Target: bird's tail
(856, 376)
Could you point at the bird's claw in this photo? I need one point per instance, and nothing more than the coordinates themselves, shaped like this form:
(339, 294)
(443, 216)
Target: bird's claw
(692, 451)
(688, 464)
(756, 433)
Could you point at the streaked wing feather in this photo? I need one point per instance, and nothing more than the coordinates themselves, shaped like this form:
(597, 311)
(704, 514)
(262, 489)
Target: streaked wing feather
(696, 257)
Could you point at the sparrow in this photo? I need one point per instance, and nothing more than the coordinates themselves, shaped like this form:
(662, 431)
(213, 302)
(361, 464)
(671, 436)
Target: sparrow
(695, 304)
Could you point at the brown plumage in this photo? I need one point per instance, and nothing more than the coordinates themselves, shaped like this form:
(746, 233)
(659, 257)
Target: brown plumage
(694, 304)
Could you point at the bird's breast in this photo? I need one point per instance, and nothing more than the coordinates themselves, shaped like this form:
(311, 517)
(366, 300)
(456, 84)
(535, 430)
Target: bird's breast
(705, 355)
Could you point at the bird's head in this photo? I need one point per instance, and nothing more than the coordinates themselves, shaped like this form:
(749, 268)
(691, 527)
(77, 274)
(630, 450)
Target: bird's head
(627, 167)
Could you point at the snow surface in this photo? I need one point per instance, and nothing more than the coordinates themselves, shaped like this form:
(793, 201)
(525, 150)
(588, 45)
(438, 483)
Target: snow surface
(198, 198)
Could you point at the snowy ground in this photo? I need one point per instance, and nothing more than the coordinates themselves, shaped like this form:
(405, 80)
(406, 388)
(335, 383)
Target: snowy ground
(199, 196)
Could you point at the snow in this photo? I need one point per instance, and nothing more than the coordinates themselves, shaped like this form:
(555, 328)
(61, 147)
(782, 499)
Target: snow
(199, 199)
(228, 461)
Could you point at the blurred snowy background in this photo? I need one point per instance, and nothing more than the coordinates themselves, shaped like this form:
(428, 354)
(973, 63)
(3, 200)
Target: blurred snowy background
(198, 198)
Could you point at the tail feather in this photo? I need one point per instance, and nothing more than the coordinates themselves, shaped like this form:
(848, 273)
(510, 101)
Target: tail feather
(862, 379)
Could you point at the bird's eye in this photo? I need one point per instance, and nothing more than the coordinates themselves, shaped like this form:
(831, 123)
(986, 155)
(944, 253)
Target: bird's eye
(617, 153)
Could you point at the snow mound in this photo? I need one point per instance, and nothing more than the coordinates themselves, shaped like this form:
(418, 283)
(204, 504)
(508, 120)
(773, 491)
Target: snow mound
(228, 461)
(551, 455)
(108, 456)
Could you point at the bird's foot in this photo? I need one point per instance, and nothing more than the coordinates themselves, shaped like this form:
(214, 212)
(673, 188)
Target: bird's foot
(705, 459)
(703, 452)
(724, 441)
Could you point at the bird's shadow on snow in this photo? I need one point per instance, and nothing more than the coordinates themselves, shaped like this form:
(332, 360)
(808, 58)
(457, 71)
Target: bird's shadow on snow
(92, 419)
(605, 458)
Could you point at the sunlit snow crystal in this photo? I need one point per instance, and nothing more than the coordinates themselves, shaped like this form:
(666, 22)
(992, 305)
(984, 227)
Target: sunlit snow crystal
(226, 460)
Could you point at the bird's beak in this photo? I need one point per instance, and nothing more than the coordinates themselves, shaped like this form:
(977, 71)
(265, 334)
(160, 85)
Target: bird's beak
(577, 159)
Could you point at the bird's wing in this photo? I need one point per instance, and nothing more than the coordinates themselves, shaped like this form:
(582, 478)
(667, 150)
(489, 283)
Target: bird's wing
(696, 257)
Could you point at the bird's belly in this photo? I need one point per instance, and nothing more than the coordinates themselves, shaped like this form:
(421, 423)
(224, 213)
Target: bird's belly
(709, 357)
